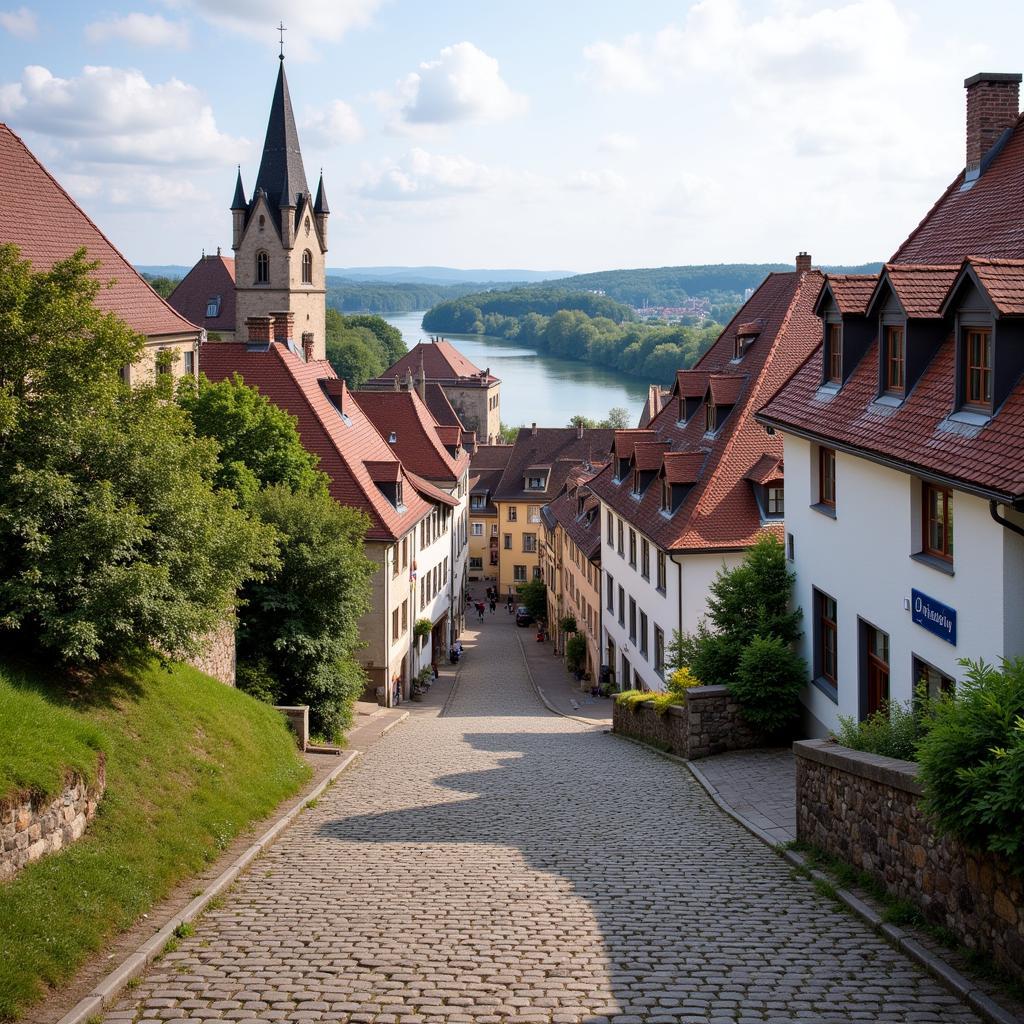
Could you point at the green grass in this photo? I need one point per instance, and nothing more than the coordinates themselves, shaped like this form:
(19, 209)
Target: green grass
(190, 762)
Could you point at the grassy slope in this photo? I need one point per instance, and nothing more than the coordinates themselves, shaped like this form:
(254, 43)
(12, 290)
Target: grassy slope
(189, 763)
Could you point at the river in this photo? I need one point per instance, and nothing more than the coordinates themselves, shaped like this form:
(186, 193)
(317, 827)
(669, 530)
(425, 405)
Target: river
(537, 388)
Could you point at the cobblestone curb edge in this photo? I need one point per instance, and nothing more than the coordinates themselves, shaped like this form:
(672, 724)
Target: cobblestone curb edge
(544, 700)
(953, 980)
(109, 989)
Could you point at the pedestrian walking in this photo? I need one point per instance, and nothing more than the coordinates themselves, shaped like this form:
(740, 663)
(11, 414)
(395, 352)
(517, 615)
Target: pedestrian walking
(494, 604)
(480, 610)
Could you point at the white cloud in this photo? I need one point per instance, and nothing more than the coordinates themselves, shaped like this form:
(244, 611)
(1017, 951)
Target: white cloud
(621, 67)
(618, 142)
(334, 124)
(422, 175)
(114, 115)
(463, 84)
(596, 181)
(140, 30)
(20, 23)
(308, 22)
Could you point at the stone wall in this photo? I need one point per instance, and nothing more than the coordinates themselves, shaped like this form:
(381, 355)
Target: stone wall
(31, 828)
(217, 658)
(708, 723)
(864, 809)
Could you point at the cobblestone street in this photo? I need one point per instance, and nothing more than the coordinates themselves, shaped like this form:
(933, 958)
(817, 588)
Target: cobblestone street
(498, 863)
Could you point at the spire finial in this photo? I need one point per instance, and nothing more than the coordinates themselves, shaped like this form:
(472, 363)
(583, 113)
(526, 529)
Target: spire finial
(281, 31)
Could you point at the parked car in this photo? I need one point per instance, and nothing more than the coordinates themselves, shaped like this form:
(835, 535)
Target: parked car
(523, 616)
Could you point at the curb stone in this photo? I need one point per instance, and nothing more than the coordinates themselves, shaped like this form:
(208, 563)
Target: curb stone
(109, 987)
(962, 987)
(543, 698)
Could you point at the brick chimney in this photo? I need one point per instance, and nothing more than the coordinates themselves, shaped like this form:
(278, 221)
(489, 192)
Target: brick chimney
(307, 345)
(803, 262)
(258, 329)
(992, 106)
(579, 431)
(284, 325)
(533, 429)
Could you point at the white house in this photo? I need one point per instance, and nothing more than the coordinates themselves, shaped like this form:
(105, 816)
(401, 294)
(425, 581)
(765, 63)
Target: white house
(695, 488)
(904, 444)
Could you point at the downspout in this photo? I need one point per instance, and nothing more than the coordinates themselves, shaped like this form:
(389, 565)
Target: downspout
(1002, 521)
(387, 630)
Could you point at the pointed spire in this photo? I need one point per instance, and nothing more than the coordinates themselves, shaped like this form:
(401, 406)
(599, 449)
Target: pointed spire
(320, 204)
(281, 169)
(239, 203)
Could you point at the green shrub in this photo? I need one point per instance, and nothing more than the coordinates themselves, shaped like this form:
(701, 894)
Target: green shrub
(632, 698)
(421, 628)
(682, 679)
(534, 596)
(662, 700)
(972, 760)
(576, 652)
(892, 731)
(567, 623)
(768, 681)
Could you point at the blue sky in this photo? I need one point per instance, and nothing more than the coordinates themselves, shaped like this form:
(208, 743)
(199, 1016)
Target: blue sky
(544, 135)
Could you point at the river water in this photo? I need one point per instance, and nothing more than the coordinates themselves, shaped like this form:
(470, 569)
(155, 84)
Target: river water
(538, 388)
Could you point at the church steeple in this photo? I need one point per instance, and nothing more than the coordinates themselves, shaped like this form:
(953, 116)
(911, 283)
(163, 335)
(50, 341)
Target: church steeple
(281, 172)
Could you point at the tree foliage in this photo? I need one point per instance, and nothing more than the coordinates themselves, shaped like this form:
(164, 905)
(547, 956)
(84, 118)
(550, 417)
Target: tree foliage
(162, 284)
(534, 597)
(113, 537)
(361, 347)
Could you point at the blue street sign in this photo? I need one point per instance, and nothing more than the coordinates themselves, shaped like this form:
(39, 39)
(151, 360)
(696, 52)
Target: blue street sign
(936, 617)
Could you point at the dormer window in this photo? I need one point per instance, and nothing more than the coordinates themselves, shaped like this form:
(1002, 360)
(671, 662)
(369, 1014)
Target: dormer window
(895, 360)
(709, 418)
(977, 362)
(478, 501)
(834, 353)
(213, 306)
(775, 504)
(621, 469)
(636, 482)
(399, 499)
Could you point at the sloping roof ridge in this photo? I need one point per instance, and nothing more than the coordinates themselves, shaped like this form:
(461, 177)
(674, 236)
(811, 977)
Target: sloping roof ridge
(754, 392)
(189, 326)
(424, 417)
(994, 261)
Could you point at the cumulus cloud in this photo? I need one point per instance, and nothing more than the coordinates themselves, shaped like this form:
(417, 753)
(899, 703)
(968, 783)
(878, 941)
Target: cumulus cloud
(20, 23)
(422, 175)
(621, 66)
(140, 30)
(596, 181)
(618, 142)
(334, 124)
(308, 22)
(463, 84)
(114, 115)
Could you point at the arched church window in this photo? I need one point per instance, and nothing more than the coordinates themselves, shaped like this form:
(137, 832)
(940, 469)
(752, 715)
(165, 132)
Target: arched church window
(307, 267)
(262, 268)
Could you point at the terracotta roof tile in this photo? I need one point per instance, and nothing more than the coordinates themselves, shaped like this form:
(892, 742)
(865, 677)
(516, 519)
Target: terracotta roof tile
(560, 448)
(352, 454)
(584, 529)
(625, 440)
(439, 406)
(1003, 281)
(851, 291)
(920, 289)
(441, 360)
(647, 455)
(725, 388)
(766, 469)
(47, 225)
(750, 329)
(720, 512)
(213, 277)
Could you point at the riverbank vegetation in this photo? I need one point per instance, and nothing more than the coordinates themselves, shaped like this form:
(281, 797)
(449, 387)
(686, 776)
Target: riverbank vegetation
(391, 297)
(577, 325)
(361, 346)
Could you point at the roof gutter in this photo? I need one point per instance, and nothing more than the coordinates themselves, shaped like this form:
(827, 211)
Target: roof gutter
(1002, 520)
(894, 464)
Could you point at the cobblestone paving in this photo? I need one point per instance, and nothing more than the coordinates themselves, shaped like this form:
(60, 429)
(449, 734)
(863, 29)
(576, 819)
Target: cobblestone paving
(501, 864)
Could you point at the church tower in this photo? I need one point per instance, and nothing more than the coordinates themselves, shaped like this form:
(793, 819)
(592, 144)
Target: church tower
(280, 237)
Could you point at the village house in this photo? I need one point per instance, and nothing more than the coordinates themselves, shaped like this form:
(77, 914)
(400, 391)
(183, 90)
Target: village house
(904, 443)
(694, 489)
(538, 467)
(47, 225)
(486, 467)
(206, 296)
(571, 566)
(431, 454)
(474, 394)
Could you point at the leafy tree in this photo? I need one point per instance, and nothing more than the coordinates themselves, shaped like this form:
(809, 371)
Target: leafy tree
(301, 623)
(162, 284)
(259, 442)
(579, 420)
(356, 356)
(618, 418)
(389, 336)
(534, 597)
(768, 681)
(112, 535)
(576, 652)
(508, 434)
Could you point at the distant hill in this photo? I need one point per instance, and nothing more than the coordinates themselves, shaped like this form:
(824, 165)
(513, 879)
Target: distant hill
(444, 275)
(162, 270)
(723, 284)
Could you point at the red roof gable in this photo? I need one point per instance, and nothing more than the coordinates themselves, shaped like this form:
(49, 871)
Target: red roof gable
(1003, 281)
(691, 383)
(647, 455)
(920, 289)
(721, 512)
(625, 440)
(352, 454)
(725, 388)
(212, 278)
(47, 225)
(851, 291)
(766, 469)
(984, 220)
(440, 360)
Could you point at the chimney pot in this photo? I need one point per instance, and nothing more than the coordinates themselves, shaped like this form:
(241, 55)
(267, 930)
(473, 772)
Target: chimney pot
(992, 106)
(284, 325)
(307, 345)
(258, 329)
(533, 429)
(803, 262)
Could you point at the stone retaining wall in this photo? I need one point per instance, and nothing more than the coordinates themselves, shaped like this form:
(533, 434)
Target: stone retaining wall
(864, 809)
(708, 723)
(217, 658)
(31, 828)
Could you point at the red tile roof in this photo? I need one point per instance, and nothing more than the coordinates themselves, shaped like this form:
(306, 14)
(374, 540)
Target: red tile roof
(749, 329)
(720, 512)
(1003, 281)
(352, 454)
(559, 450)
(212, 277)
(647, 455)
(984, 220)
(47, 225)
(491, 456)
(439, 406)
(583, 528)
(725, 388)
(852, 291)
(441, 360)
(625, 440)
(921, 289)
(416, 442)
(766, 469)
